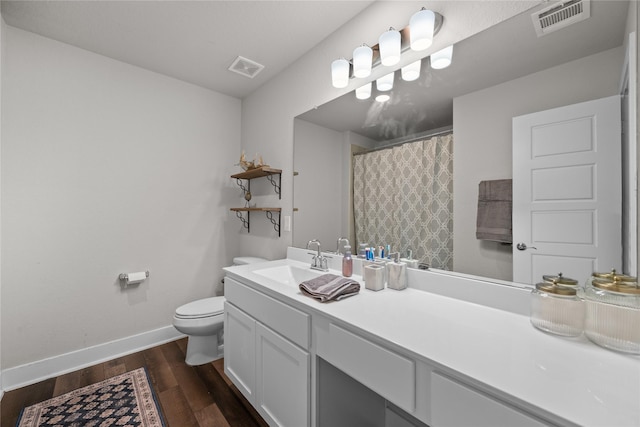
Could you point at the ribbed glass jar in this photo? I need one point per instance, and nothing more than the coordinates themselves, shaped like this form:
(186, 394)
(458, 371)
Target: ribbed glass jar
(613, 313)
(557, 309)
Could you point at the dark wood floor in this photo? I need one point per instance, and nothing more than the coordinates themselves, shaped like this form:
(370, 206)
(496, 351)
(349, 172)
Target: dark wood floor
(200, 396)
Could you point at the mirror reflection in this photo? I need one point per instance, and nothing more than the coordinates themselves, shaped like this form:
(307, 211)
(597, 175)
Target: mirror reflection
(501, 73)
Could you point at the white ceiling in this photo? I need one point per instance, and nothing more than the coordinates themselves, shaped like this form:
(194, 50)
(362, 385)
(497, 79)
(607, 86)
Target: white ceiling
(501, 53)
(194, 41)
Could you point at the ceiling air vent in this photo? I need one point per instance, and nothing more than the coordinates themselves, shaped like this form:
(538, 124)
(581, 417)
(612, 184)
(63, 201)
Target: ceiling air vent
(560, 15)
(246, 67)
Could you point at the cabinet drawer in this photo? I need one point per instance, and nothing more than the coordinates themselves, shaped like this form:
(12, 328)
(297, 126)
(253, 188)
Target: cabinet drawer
(389, 374)
(454, 404)
(287, 321)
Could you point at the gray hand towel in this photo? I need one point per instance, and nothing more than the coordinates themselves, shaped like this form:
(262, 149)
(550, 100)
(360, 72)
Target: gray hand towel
(329, 287)
(494, 211)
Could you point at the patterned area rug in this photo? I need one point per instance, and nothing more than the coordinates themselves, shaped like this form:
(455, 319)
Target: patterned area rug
(124, 400)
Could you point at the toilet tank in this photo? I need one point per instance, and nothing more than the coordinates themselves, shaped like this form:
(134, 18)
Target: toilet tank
(243, 260)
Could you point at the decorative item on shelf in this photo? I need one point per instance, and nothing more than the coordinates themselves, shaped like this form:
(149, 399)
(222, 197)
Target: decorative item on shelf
(244, 164)
(256, 163)
(259, 163)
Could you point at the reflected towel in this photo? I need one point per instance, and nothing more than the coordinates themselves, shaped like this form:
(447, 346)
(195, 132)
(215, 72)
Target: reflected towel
(494, 211)
(329, 287)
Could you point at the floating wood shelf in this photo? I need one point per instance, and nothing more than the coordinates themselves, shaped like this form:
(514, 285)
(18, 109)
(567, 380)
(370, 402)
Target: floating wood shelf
(269, 212)
(256, 209)
(257, 173)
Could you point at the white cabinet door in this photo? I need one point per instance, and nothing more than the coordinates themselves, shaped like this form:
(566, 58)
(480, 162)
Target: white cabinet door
(240, 350)
(282, 380)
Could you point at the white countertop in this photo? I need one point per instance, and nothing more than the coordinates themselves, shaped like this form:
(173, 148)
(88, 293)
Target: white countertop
(570, 378)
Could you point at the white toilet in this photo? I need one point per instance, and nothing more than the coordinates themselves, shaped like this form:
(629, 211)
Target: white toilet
(203, 322)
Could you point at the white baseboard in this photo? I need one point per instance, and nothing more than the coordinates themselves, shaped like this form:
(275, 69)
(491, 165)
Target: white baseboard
(31, 373)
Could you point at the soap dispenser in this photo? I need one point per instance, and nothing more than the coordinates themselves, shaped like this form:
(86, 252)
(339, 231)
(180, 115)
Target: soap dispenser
(347, 262)
(397, 273)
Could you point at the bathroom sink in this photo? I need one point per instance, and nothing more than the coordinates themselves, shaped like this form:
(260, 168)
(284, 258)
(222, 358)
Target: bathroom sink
(288, 274)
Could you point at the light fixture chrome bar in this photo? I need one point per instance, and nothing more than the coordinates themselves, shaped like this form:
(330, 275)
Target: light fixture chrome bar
(404, 46)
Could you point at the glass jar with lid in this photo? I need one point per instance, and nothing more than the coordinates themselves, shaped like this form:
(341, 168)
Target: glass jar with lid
(557, 308)
(560, 280)
(613, 312)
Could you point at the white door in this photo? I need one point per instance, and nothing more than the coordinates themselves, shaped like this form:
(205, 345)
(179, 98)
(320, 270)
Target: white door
(283, 376)
(567, 191)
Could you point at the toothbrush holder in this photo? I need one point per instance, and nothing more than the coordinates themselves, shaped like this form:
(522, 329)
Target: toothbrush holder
(377, 262)
(374, 277)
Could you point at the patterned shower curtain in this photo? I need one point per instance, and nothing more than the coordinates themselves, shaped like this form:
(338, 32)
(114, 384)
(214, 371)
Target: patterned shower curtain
(403, 196)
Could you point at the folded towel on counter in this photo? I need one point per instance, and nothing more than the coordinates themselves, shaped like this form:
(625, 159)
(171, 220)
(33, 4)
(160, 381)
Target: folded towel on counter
(329, 287)
(494, 211)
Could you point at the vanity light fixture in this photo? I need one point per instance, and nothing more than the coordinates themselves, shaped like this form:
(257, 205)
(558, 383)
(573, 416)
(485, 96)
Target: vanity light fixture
(362, 60)
(418, 35)
(364, 91)
(411, 72)
(421, 28)
(442, 58)
(390, 46)
(385, 82)
(383, 97)
(340, 73)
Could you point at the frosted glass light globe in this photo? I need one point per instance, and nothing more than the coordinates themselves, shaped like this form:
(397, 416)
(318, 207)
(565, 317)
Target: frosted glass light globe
(421, 27)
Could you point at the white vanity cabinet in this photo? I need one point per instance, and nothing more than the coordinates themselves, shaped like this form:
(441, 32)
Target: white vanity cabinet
(266, 354)
(411, 359)
(422, 394)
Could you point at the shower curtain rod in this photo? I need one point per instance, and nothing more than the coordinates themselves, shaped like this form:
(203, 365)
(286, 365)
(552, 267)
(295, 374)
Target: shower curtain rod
(413, 138)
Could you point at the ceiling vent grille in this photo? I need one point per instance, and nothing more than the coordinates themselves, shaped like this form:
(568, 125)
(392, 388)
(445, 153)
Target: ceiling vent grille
(560, 15)
(246, 67)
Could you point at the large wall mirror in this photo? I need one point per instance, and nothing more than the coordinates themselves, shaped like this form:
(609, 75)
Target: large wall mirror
(503, 72)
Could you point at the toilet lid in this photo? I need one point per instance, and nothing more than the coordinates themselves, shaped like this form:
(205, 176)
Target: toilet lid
(201, 308)
(244, 260)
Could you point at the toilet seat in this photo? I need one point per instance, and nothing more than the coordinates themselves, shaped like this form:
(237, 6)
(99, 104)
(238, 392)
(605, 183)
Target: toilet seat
(206, 307)
(243, 260)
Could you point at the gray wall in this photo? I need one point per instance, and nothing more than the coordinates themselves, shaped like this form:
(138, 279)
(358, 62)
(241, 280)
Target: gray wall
(322, 157)
(482, 143)
(107, 168)
(318, 160)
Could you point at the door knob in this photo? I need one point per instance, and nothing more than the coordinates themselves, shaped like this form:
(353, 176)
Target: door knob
(523, 246)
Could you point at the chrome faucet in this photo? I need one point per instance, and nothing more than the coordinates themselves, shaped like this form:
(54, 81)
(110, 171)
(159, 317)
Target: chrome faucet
(340, 249)
(318, 261)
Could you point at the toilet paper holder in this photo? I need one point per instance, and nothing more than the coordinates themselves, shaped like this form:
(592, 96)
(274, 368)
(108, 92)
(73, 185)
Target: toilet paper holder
(125, 276)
